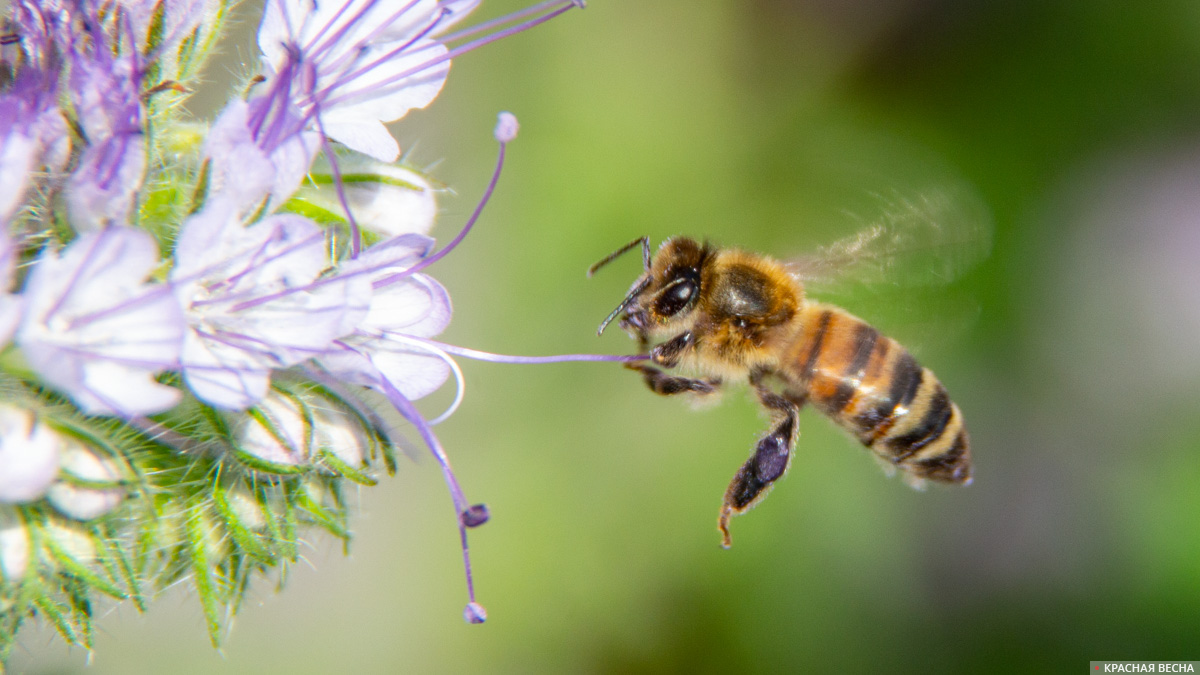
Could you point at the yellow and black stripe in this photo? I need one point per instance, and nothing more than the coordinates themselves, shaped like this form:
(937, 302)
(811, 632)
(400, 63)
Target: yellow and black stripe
(871, 385)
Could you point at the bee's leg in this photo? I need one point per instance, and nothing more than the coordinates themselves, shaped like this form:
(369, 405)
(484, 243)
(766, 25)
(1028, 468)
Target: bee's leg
(770, 460)
(667, 354)
(667, 385)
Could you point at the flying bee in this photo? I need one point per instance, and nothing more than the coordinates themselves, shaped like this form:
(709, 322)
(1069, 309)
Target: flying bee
(729, 315)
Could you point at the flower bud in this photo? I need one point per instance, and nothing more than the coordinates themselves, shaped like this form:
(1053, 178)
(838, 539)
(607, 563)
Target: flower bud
(28, 455)
(14, 545)
(85, 503)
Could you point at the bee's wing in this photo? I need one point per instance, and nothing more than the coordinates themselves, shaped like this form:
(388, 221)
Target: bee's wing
(924, 240)
(893, 269)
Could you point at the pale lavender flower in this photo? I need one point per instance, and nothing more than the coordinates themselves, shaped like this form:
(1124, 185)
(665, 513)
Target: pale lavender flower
(105, 93)
(93, 329)
(358, 64)
(401, 307)
(33, 133)
(251, 301)
(29, 453)
(268, 156)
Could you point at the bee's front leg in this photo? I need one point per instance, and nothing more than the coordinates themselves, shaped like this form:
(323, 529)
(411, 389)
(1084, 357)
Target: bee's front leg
(667, 355)
(770, 460)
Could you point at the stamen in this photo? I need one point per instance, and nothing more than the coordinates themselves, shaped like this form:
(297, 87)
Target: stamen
(339, 186)
(500, 21)
(474, 612)
(456, 52)
(505, 358)
(460, 381)
(487, 194)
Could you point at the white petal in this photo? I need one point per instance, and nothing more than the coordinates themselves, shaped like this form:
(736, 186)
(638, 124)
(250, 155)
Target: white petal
(93, 329)
(417, 306)
(16, 158)
(377, 95)
(415, 373)
(367, 136)
(223, 376)
(28, 456)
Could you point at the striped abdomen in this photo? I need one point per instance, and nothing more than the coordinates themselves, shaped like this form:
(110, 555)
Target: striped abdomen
(873, 387)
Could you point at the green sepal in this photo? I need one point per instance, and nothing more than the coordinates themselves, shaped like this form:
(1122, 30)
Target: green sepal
(79, 569)
(332, 521)
(56, 612)
(247, 540)
(113, 554)
(344, 470)
(198, 532)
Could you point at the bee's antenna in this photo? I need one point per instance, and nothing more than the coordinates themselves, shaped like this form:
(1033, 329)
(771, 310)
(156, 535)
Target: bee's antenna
(644, 241)
(633, 293)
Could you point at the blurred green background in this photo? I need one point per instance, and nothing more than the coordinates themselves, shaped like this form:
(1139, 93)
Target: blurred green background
(1073, 350)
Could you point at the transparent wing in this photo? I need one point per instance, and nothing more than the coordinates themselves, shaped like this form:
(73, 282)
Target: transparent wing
(926, 239)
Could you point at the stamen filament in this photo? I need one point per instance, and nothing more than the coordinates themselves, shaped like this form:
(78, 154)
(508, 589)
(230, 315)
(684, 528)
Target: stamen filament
(456, 52)
(505, 358)
(487, 194)
(410, 413)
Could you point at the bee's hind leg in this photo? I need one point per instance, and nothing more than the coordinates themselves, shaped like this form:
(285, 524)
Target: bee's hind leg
(770, 460)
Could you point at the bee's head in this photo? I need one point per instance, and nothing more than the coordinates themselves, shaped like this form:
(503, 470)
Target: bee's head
(667, 292)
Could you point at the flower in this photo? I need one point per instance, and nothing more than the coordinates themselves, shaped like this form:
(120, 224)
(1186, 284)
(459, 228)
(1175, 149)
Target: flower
(94, 329)
(105, 92)
(401, 307)
(251, 304)
(359, 64)
(192, 350)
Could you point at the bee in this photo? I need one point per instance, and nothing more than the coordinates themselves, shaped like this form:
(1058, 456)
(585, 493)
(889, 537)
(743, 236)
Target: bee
(730, 315)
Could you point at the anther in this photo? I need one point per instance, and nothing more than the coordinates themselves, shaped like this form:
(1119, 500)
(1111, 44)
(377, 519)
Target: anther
(506, 127)
(474, 613)
(475, 515)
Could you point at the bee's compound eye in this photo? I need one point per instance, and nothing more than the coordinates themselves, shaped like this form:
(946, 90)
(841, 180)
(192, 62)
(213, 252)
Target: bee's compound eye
(676, 298)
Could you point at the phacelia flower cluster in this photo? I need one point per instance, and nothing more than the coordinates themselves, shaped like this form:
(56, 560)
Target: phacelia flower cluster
(205, 328)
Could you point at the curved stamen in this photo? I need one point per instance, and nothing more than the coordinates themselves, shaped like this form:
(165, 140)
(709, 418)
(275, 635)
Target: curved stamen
(487, 194)
(473, 613)
(459, 380)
